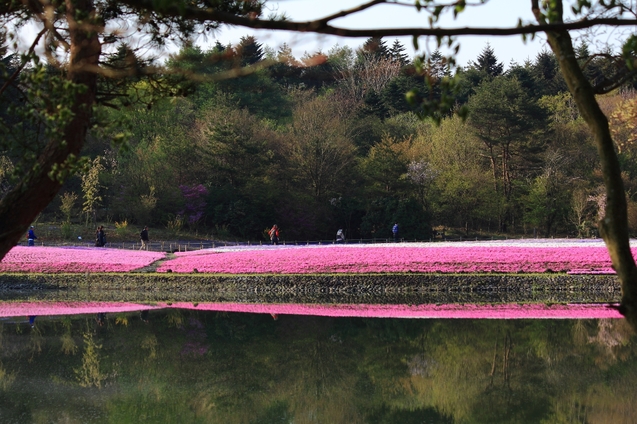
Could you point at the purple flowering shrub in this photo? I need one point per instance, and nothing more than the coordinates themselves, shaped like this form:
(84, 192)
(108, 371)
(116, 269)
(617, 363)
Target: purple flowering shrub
(195, 203)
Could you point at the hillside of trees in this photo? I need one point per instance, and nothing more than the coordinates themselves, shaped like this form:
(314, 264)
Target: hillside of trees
(330, 141)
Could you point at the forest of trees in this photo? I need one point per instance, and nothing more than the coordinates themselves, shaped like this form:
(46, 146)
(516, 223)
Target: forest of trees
(332, 141)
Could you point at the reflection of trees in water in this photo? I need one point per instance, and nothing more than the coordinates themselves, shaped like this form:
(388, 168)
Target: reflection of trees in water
(610, 338)
(313, 370)
(35, 341)
(89, 373)
(150, 343)
(320, 370)
(6, 378)
(175, 318)
(69, 347)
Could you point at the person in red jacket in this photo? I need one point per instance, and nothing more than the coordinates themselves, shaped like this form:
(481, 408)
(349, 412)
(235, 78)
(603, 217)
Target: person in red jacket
(274, 234)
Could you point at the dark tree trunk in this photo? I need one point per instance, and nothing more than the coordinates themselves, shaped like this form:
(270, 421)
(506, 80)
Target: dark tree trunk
(614, 225)
(20, 207)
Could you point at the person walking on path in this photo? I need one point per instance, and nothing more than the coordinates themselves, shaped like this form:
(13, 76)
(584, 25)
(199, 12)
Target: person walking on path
(394, 231)
(274, 234)
(144, 236)
(340, 236)
(31, 237)
(100, 237)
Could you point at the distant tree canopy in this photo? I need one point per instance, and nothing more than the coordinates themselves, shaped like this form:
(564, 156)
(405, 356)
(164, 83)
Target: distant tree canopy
(350, 152)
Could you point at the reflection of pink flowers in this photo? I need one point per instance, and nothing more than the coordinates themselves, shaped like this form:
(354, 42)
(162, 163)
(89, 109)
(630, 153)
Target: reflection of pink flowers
(196, 337)
(465, 311)
(75, 259)
(12, 309)
(385, 259)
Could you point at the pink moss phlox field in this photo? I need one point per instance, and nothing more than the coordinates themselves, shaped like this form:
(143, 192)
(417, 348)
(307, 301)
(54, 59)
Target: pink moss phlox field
(400, 259)
(75, 259)
(457, 311)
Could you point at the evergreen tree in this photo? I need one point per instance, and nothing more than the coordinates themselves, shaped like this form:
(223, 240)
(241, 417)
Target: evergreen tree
(524, 74)
(396, 53)
(375, 47)
(437, 66)
(546, 74)
(317, 72)
(488, 62)
(287, 71)
(545, 66)
(284, 55)
(249, 50)
(218, 48)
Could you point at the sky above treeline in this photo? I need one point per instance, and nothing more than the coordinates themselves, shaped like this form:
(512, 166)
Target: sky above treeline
(495, 13)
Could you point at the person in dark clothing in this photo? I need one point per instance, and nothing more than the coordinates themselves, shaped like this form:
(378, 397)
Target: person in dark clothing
(31, 237)
(144, 236)
(100, 237)
(394, 231)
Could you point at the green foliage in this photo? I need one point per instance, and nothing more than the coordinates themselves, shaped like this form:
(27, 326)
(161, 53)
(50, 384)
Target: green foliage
(122, 229)
(67, 205)
(67, 230)
(268, 149)
(383, 213)
(33, 115)
(175, 224)
(547, 201)
(91, 189)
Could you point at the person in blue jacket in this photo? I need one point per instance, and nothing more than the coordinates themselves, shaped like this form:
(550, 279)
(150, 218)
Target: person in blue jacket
(31, 237)
(394, 231)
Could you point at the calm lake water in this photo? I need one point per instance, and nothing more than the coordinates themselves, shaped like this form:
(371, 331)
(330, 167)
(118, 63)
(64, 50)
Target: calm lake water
(174, 365)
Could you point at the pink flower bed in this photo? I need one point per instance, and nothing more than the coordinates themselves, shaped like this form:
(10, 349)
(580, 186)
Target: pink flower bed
(75, 259)
(399, 259)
